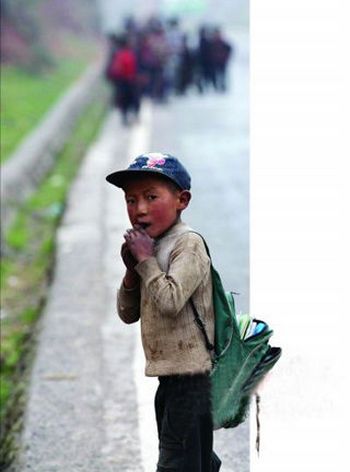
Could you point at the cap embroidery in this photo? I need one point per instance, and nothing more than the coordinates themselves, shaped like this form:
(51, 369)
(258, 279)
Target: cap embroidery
(155, 159)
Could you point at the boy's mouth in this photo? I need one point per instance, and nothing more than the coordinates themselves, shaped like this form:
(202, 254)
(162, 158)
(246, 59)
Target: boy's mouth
(144, 225)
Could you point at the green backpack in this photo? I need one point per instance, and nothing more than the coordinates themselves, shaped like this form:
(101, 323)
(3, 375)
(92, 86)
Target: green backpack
(241, 358)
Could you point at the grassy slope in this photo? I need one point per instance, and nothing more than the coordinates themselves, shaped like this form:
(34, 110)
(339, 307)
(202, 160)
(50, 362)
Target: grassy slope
(26, 98)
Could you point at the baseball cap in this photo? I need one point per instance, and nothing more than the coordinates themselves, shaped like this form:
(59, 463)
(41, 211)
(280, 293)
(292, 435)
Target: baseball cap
(154, 163)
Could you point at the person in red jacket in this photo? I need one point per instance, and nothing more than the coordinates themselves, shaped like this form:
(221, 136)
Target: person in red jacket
(122, 72)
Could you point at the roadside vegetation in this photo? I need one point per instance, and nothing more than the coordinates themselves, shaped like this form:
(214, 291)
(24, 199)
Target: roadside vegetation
(26, 97)
(45, 46)
(26, 268)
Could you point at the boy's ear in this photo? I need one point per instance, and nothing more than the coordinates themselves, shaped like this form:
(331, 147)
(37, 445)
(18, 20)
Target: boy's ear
(184, 199)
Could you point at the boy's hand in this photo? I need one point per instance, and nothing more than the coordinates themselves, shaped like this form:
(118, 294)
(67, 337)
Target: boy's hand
(128, 259)
(131, 278)
(139, 243)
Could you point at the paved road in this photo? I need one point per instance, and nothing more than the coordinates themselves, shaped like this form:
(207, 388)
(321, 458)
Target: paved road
(89, 402)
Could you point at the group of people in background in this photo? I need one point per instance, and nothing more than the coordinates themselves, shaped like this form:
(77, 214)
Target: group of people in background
(157, 59)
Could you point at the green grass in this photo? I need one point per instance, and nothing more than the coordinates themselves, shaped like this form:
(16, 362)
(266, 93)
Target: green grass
(27, 265)
(27, 97)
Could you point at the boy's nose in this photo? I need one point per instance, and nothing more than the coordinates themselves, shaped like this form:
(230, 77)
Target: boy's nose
(141, 208)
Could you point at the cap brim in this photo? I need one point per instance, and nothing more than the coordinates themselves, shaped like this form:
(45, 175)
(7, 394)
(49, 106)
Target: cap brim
(120, 178)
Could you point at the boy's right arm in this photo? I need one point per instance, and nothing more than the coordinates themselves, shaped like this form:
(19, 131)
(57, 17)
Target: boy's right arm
(128, 297)
(128, 303)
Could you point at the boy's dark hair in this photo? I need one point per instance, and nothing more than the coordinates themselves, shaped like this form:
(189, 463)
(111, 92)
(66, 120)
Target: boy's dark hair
(173, 187)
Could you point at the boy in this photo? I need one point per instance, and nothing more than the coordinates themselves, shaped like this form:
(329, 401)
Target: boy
(166, 266)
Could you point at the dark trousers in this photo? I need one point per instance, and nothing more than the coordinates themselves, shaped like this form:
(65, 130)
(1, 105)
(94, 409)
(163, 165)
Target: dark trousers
(185, 427)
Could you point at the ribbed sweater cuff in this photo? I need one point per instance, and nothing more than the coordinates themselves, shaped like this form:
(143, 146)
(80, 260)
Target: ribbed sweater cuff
(127, 296)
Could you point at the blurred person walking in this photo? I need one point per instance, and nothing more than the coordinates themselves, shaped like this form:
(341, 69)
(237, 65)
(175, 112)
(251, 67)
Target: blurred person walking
(185, 72)
(122, 73)
(221, 51)
(174, 37)
(159, 52)
(145, 63)
(206, 72)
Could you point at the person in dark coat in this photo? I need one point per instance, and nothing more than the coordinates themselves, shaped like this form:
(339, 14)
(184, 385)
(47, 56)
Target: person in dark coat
(205, 69)
(221, 51)
(185, 69)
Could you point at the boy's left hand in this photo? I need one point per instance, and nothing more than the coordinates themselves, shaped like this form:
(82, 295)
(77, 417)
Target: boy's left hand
(139, 243)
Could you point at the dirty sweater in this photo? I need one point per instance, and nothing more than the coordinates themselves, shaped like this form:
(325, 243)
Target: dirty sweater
(179, 270)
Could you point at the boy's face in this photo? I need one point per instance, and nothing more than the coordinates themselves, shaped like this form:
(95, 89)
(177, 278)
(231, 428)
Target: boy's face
(154, 204)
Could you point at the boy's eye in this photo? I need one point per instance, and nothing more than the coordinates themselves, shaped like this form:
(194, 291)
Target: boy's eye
(151, 197)
(130, 201)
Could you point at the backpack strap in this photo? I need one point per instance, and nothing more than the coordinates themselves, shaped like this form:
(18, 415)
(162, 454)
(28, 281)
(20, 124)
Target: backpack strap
(201, 326)
(257, 440)
(210, 347)
(204, 242)
(197, 317)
